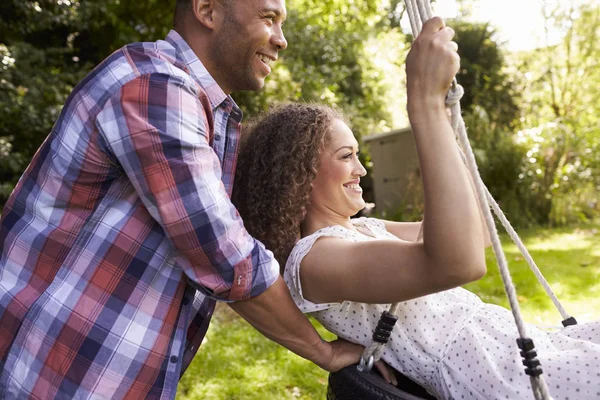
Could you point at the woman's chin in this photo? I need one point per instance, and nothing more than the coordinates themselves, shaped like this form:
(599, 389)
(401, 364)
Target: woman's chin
(359, 207)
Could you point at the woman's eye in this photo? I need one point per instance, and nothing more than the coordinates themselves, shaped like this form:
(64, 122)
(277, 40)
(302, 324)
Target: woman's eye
(349, 155)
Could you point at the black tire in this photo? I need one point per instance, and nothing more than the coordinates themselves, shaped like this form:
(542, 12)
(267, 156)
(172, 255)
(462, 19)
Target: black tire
(349, 384)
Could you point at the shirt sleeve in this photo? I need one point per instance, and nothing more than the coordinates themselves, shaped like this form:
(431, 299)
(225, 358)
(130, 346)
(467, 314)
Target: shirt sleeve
(157, 128)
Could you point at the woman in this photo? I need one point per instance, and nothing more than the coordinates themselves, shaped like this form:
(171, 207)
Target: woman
(297, 187)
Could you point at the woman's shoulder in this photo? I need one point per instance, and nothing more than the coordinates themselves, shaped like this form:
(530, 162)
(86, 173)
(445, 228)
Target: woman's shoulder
(340, 231)
(367, 229)
(291, 273)
(304, 245)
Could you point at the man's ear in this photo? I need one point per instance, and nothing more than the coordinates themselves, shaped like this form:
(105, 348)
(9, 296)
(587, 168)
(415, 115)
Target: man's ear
(204, 12)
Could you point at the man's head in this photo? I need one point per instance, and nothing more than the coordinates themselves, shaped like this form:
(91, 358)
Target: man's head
(236, 40)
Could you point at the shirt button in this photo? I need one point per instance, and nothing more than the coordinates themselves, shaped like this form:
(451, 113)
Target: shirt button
(217, 138)
(174, 359)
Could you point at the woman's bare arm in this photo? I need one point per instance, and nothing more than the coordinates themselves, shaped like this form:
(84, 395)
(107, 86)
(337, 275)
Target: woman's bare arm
(413, 231)
(380, 271)
(408, 231)
(451, 252)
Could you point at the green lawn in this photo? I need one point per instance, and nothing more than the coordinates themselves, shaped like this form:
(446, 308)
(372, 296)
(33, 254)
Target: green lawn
(569, 258)
(236, 362)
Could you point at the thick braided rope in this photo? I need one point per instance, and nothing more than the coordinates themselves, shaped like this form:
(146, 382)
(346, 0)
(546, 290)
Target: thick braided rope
(538, 384)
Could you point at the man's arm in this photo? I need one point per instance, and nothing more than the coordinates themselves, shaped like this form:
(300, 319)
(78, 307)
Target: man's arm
(276, 316)
(156, 128)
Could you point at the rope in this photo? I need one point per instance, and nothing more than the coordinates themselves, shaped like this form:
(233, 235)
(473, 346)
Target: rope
(524, 252)
(419, 11)
(532, 265)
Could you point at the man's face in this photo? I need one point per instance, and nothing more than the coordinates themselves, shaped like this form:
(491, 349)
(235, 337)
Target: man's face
(246, 43)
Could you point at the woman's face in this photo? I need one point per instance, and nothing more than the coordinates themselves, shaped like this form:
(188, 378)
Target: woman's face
(336, 187)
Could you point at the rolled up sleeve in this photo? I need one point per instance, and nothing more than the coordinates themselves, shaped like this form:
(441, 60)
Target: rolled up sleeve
(156, 127)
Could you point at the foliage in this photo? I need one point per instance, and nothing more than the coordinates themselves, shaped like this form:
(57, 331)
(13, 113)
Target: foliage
(491, 113)
(328, 62)
(47, 46)
(483, 74)
(500, 158)
(535, 134)
(533, 123)
(561, 108)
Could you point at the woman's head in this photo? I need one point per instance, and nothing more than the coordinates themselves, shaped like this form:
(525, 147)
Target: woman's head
(336, 190)
(295, 158)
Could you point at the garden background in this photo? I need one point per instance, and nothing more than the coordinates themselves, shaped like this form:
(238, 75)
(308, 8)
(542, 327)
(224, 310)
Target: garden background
(533, 118)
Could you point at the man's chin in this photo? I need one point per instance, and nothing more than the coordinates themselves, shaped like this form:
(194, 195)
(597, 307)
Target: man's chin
(255, 86)
(259, 83)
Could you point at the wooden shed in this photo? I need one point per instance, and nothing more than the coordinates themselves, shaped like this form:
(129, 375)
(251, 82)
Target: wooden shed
(395, 176)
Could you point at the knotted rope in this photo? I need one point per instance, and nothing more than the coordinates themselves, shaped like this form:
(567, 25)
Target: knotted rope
(418, 12)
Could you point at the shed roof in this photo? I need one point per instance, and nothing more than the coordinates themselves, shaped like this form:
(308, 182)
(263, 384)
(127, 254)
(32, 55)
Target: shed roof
(384, 135)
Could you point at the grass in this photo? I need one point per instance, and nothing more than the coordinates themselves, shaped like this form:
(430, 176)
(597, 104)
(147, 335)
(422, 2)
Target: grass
(569, 258)
(237, 363)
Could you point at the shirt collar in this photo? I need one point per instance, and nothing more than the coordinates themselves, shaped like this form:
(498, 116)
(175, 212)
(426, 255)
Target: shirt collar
(215, 94)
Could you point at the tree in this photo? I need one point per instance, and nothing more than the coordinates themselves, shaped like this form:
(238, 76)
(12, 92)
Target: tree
(561, 107)
(491, 112)
(47, 46)
(325, 61)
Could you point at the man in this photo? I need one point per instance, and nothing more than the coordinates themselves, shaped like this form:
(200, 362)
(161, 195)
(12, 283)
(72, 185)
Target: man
(120, 235)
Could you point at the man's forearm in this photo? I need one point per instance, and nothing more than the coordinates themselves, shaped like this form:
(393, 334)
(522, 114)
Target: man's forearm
(276, 316)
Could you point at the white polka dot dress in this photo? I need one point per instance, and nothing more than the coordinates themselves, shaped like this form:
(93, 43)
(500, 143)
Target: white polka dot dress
(452, 343)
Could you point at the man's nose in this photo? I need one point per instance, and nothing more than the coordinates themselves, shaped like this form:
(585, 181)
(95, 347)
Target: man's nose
(279, 40)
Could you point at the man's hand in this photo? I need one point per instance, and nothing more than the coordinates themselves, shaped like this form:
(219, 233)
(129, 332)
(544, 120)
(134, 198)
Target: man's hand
(344, 353)
(339, 354)
(388, 373)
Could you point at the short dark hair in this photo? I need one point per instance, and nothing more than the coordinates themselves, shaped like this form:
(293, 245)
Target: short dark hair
(181, 9)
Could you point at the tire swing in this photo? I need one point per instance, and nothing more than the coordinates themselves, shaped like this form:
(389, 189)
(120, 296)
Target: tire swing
(359, 382)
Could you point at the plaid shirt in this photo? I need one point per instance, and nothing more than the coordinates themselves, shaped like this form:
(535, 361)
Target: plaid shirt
(120, 235)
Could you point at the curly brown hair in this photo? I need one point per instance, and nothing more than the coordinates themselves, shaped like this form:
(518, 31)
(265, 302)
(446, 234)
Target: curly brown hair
(277, 162)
